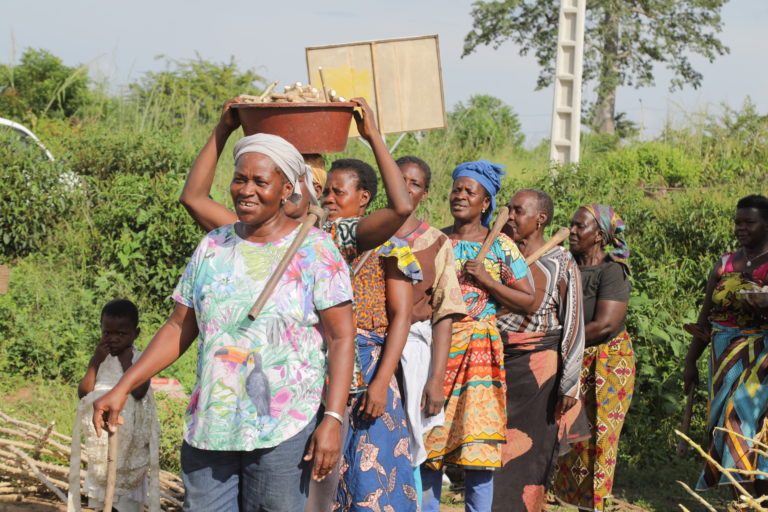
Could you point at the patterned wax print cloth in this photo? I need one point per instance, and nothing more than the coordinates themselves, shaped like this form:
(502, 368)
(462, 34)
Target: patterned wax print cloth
(376, 472)
(542, 360)
(738, 376)
(475, 414)
(259, 382)
(584, 476)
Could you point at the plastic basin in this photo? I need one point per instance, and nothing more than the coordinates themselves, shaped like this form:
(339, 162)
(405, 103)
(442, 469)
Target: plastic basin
(310, 127)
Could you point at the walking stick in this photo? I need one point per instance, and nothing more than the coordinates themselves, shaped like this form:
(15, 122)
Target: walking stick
(109, 492)
(314, 215)
(682, 446)
(556, 239)
(501, 219)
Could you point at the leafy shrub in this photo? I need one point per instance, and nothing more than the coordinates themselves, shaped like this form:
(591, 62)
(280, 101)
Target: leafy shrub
(36, 194)
(41, 84)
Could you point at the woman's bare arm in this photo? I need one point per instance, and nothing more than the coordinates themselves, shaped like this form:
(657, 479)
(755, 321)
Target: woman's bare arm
(195, 196)
(399, 297)
(376, 228)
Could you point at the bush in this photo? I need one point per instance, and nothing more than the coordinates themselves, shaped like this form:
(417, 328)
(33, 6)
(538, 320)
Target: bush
(42, 85)
(36, 195)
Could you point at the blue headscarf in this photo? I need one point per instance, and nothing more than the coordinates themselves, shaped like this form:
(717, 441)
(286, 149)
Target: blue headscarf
(487, 174)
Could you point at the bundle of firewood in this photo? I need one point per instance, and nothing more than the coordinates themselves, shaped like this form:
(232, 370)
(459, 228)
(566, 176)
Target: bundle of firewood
(34, 460)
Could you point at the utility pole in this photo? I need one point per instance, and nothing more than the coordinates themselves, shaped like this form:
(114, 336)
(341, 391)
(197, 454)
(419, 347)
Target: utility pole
(566, 111)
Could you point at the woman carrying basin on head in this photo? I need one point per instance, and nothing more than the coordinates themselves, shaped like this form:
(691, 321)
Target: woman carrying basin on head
(255, 423)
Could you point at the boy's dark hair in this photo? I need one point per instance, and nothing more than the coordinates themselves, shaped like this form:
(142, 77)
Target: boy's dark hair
(755, 201)
(410, 159)
(366, 176)
(121, 308)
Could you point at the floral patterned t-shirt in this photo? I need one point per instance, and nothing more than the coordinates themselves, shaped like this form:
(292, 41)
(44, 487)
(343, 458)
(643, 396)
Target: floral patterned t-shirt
(258, 382)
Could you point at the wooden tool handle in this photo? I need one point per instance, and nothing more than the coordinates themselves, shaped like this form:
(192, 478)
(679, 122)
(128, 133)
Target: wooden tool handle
(315, 214)
(682, 445)
(501, 219)
(109, 491)
(556, 239)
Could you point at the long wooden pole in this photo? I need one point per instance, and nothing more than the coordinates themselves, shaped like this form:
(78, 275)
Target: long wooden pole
(109, 492)
(315, 213)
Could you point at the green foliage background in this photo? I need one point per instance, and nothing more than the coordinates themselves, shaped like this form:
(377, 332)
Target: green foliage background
(104, 221)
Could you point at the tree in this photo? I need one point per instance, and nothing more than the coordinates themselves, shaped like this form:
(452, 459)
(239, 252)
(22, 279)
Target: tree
(41, 84)
(193, 90)
(485, 123)
(623, 41)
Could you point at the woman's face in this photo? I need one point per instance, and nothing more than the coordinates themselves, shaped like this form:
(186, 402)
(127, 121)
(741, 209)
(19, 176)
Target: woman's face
(258, 188)
(524, 215)
(342, 197)
(750, 228)
(468, 199)
(415, 182)
(585, 232)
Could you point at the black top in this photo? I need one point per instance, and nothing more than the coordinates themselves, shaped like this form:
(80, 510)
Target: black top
(606, 281)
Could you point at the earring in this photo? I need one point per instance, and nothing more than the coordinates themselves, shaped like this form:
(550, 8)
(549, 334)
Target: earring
(538, 225)
(484, 210)
(282, 202)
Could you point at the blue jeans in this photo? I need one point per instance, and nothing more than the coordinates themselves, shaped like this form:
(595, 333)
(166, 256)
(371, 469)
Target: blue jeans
(478, 489)
(263, 480)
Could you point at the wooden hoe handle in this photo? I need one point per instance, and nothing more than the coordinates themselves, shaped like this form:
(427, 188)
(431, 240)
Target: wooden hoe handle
(109, 492)
(556, 239)
(315, 213)
(501, 219)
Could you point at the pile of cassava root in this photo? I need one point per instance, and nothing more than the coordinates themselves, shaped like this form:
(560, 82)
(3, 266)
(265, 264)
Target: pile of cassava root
(295, 93)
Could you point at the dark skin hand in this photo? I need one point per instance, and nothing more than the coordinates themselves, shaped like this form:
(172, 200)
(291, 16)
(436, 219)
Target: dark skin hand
(399, 295)
(372, 231)
(117, 338)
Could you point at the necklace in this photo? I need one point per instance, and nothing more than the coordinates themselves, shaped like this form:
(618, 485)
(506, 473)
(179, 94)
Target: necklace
(750, 260)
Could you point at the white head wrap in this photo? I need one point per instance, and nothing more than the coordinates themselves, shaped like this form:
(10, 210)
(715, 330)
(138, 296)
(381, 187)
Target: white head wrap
(286, 157)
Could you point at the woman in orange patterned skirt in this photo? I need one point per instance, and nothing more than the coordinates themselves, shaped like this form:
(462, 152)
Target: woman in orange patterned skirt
(475, 417)
(584, 476)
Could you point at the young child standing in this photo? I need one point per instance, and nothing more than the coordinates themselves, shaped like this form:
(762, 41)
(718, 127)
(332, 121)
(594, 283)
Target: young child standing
(137, 456)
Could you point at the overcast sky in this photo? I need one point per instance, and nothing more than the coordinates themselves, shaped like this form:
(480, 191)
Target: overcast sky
(121, 41)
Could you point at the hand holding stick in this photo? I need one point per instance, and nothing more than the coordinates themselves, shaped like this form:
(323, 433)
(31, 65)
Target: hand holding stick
(315, 214)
